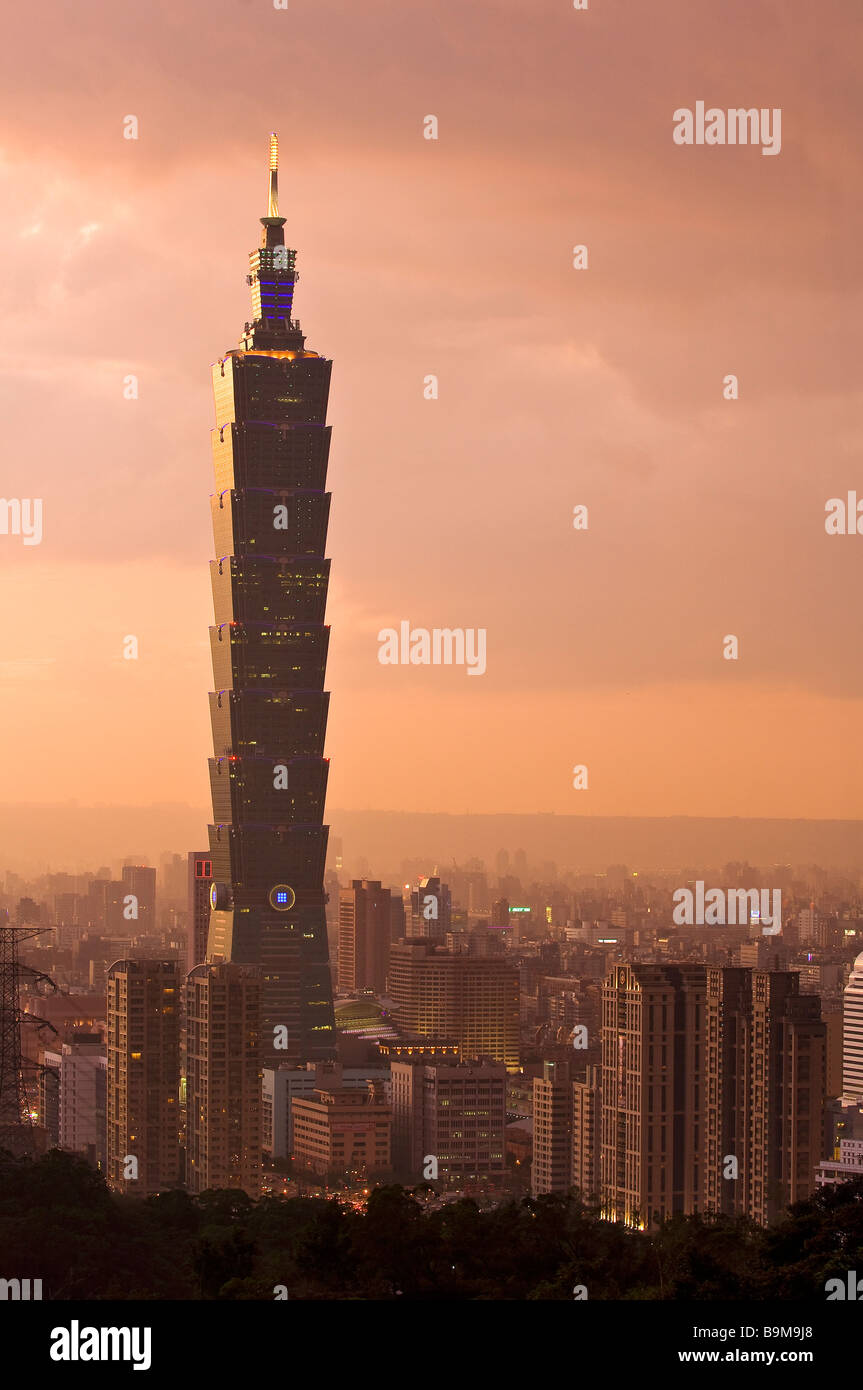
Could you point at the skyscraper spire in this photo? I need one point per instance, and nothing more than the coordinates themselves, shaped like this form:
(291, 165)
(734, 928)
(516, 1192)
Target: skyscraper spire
(273, 234)
(273, 208)
(268, 839)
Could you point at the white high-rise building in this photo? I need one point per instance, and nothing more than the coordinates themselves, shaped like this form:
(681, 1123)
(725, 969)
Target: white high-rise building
(83, 1076)
(852, 1036)
(73, 1095)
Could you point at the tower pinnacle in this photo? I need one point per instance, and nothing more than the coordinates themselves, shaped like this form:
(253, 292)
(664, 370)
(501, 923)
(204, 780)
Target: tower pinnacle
(272, 277)
(273, 208)
(273, 235)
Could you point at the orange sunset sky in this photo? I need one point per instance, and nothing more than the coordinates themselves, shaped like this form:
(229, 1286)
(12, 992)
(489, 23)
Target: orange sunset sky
(556, 387)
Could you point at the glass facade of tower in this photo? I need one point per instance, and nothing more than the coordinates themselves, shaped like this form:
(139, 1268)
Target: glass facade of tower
(269, 647)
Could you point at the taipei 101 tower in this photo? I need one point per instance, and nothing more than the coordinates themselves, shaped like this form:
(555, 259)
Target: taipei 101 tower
(269, 647)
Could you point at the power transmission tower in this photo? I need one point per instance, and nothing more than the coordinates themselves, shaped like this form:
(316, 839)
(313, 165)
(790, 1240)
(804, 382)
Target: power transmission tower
(17, 1131)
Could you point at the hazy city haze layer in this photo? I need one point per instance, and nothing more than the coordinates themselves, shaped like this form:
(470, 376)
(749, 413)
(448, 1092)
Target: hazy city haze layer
(84, 837)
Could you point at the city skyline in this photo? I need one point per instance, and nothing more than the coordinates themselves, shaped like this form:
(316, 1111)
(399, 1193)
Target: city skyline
(527, 965)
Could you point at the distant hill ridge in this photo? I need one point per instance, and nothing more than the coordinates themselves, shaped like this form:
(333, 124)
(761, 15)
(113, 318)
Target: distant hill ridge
(70, 837)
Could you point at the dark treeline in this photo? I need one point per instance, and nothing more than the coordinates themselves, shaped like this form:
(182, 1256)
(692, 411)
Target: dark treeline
(60, 1224)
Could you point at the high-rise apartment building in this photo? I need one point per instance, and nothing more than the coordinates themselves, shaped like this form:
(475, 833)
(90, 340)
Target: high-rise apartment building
(200, 879)
(729, 994)
(784, 1119)
(587, 1134)
(765, 1060)
(223, 1077)
(454, 1113)
(365, 919)
(652, 1027)
(269, 647)
(852, 1036)
(552, 1129)
(471, 999)
(143, 1149)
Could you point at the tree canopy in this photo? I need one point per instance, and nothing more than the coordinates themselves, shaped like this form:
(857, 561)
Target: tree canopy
(59, 1223)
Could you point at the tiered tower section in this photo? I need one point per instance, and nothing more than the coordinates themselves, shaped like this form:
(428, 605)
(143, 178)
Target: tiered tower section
(269, 648)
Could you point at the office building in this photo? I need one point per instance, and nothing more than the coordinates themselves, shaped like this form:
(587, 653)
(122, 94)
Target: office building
(472, 1000)
(93, 906)
(807, 926)
(282, 1084)
(139, 899)
(339, 1131)
(269, 643)
(500, 915)
(365, 924)
(120, 918)
(454, 1113)
(431, 909)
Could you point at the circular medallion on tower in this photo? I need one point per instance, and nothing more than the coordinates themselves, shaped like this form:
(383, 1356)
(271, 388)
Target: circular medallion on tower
(220, 896)
(282, 897)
